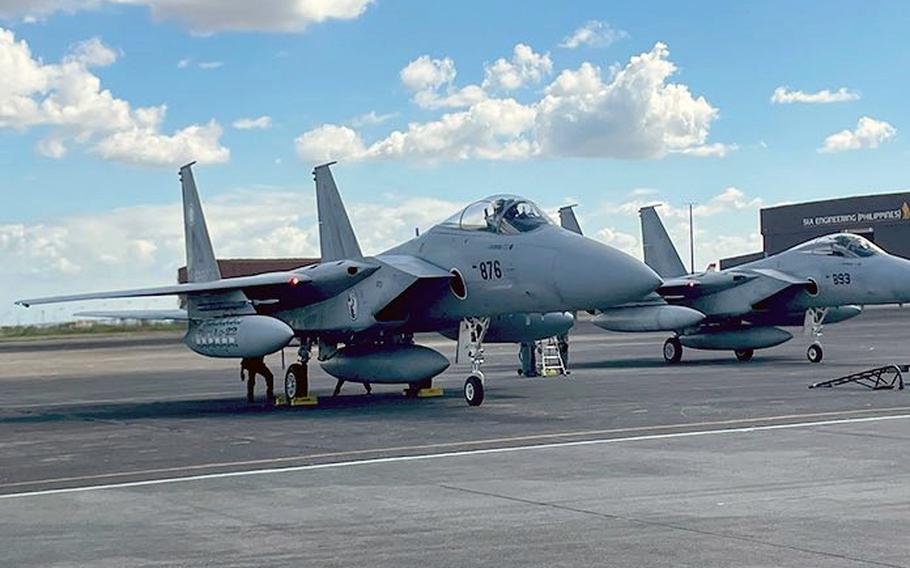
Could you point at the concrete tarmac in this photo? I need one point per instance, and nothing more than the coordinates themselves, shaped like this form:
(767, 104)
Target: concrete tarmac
(136, 452)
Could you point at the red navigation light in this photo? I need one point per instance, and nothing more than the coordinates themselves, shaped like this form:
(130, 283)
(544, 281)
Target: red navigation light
(294, 281)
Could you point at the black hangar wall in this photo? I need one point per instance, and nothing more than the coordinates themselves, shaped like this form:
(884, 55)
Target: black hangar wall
(883, 219)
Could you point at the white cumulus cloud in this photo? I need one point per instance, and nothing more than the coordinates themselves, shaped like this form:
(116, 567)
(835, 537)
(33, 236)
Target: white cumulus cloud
(869, 133)
(262, 122)
(210, 16)
(709, 150)
(784, 95)
(594, 34)
(634, 113)
(372, 118)
(68, 99)
(431, 81)
(524, 67)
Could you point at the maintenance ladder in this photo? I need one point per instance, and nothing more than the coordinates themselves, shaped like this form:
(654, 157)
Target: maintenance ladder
(881, 378)
(551, 363)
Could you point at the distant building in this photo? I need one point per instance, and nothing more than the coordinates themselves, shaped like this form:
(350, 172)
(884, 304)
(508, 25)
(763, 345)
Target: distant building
(883, 219)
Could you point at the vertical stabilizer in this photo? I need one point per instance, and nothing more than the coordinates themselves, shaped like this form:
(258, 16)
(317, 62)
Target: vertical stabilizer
(660, 254)
(201, 265)
(567, 219)
(336, 236)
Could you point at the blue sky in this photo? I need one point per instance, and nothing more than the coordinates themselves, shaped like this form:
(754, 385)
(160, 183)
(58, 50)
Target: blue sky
(339, 63)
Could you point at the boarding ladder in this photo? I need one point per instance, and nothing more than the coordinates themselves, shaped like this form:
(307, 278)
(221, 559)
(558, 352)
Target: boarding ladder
(881, 378)
(551, 364)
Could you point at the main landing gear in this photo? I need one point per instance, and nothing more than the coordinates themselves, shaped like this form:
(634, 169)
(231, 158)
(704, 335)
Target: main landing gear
(296, 378)
(673, 350)
(744, 354)
(812, 325)
(470, 338)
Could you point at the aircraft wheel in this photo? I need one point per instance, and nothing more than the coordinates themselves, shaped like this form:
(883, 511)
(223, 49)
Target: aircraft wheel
(473, 390)
(295, 382)
(673, 350)
(744, 354)
(815, 353)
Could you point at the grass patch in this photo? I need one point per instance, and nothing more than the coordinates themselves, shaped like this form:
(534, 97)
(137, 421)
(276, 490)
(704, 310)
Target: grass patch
(86, 328)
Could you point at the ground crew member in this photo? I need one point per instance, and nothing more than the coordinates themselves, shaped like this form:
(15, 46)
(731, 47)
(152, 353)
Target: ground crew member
(527, 356)
(249, 368)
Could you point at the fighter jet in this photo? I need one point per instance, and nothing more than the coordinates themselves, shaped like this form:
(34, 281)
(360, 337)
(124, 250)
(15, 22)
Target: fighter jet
(500, 255)
(822, 281)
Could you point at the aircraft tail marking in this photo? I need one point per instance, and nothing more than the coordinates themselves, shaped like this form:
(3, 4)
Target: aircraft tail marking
(201, 265)
(660, 254)
(336, 236)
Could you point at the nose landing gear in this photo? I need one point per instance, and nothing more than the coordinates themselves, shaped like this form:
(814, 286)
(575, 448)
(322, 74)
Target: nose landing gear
(815, 353)
(470, 342)
(812, 326)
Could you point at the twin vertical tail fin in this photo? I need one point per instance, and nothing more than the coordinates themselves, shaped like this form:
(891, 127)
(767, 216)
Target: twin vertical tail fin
(660, 254)
(336, 236)
(201, 265)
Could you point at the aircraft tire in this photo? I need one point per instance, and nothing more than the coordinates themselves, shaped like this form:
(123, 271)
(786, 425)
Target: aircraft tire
(473, 391)
(673, 350)
(744, 354)
(815, 353)
(295, 382)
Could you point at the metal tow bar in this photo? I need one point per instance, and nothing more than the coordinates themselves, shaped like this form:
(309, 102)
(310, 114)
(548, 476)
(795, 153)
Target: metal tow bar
(881, 378)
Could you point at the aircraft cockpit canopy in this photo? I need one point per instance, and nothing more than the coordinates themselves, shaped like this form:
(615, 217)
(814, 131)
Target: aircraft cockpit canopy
(500, 214)
(842, 244)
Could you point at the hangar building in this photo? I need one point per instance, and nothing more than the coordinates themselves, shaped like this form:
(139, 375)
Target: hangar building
(883, 219)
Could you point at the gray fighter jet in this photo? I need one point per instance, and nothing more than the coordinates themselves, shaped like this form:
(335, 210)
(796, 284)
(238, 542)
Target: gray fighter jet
(824, 280)
(498, 256)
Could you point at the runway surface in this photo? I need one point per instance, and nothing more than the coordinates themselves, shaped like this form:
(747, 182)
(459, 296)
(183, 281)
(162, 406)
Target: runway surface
(136, 452)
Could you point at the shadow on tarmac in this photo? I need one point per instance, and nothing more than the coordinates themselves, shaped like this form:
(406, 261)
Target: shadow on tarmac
(637, 363)
(342, 407)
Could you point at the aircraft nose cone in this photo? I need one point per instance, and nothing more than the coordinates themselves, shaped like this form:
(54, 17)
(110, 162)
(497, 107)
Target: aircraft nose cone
(594, 275)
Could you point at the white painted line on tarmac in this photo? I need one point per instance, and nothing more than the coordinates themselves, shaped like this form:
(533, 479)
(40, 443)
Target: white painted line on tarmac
(452, 455)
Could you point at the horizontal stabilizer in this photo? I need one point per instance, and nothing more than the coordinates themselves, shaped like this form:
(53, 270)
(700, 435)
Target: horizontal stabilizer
(224, 285)
(660, 254)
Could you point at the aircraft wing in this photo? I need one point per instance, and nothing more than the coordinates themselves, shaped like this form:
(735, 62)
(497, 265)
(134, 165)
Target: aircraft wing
(145, 315)
(425, 283)
(787, 287)
(416, 267)
(706, 283)
(273, 279)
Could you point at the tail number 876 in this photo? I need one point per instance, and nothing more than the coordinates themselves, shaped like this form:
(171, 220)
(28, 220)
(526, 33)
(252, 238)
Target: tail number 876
(490, 270)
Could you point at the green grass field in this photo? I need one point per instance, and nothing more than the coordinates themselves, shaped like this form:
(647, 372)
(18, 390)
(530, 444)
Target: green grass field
(83, 328)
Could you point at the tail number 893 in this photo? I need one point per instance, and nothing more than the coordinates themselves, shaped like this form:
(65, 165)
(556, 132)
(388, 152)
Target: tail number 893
(840, 278)
(490, 270)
